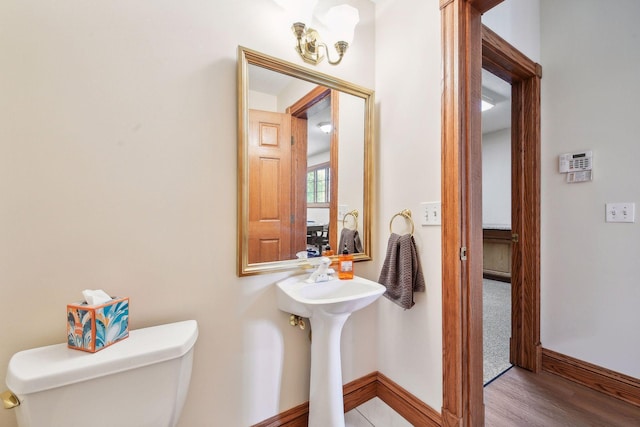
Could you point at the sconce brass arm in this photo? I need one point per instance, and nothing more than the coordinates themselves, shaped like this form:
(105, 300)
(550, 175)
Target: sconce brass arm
(309, 45)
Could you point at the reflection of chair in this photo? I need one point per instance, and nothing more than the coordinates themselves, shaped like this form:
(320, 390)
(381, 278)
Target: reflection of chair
(318, 236)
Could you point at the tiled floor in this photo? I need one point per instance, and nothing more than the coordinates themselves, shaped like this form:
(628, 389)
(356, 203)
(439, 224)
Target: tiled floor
(374, 413)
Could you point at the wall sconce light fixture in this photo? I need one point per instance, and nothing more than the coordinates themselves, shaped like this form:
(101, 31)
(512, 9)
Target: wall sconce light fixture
(341, 22)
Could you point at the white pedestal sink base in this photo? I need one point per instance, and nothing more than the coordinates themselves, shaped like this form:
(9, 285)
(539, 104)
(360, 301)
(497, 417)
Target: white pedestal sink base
(327, 305)
(326, 406)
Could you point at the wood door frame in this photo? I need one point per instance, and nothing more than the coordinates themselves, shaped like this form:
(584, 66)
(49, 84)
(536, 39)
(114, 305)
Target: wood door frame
(463, 59)
(506, 62)
(299, 110)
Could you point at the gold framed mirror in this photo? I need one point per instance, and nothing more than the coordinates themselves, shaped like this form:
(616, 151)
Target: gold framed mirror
(301, 187)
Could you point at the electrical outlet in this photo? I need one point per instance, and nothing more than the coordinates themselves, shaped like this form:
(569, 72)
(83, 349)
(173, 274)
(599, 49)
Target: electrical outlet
(620, 212)
(430, 213)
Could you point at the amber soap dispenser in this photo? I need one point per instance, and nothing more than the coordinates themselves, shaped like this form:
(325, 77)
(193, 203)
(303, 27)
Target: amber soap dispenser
(345, 264)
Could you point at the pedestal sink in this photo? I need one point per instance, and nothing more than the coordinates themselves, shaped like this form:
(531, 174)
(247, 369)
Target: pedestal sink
(327, 305)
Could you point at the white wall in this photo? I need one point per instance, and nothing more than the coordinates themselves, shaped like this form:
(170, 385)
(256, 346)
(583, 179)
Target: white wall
(118, 171)
(588, 289)
(590, 269)
(351, 156)
(518, 22)
(408, 89)
(262, 101)
(496, 179)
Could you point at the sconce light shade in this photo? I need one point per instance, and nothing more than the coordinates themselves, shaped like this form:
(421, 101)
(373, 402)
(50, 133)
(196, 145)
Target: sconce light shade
(342, 21)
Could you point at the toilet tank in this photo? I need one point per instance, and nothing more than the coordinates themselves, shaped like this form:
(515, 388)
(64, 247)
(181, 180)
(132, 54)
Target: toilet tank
(139, 382)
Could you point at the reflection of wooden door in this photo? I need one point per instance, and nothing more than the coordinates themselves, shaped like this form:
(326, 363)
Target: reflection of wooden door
(300, 111)
(299, 184)
(269, 186)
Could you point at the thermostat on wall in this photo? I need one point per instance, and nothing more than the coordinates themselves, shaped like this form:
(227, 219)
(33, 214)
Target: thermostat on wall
(577, 166)
(576, 162)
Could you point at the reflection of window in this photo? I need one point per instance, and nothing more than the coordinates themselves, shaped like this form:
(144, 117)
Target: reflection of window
(318, 179)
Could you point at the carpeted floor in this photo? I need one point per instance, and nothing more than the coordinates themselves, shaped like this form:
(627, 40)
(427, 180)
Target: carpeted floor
(496, 325)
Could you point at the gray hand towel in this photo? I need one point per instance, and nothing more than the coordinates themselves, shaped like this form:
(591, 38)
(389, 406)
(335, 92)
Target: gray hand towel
(352, 240)
(401, 272)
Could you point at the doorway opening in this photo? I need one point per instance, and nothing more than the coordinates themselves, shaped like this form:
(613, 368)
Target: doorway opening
(468, 47)
(315, 149)
(496, 226)
(510, 65)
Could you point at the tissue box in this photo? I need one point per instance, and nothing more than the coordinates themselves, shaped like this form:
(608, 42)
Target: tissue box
(94, 327)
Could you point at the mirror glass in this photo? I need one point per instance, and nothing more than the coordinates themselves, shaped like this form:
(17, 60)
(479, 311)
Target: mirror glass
(304, 165)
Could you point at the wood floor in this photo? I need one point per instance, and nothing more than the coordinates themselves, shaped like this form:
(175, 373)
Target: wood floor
(521, 398)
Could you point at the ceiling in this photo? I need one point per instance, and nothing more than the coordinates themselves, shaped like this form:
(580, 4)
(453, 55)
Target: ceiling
(499, 91)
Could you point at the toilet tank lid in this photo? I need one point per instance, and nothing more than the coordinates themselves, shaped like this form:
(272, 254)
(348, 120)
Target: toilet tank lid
(57, 365)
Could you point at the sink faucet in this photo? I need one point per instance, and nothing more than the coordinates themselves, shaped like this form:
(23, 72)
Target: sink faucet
(321, 273)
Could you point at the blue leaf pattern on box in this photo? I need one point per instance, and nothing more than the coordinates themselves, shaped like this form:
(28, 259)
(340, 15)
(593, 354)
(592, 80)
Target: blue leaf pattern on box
(118, 326)
(111, 325)
(86, 328)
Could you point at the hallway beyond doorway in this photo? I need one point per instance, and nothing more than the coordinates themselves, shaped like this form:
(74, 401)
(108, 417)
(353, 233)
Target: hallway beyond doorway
(496, 327)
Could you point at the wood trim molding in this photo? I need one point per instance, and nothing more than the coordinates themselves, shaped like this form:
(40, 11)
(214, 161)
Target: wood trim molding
(484, 5)
(505, 61)
(526, 95)
(360, 391)
(295, 417)
(315, 95)
(463, 43)
(335, 167)
(496, 235)
(480, 5)
(462, 397)
(299, 111)
(411, 408)
(609, 382)
(496, 277)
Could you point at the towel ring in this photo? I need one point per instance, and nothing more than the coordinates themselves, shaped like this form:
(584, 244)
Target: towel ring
(406, 213)
(354, 214)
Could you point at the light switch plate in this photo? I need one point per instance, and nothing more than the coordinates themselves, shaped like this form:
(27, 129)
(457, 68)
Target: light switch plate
(430, 213)
(620, 212)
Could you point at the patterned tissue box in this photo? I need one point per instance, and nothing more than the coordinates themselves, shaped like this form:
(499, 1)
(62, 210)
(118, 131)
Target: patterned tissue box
(94, 327)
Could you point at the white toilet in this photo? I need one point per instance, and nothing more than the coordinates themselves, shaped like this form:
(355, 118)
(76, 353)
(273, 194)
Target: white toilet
(141, 381)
